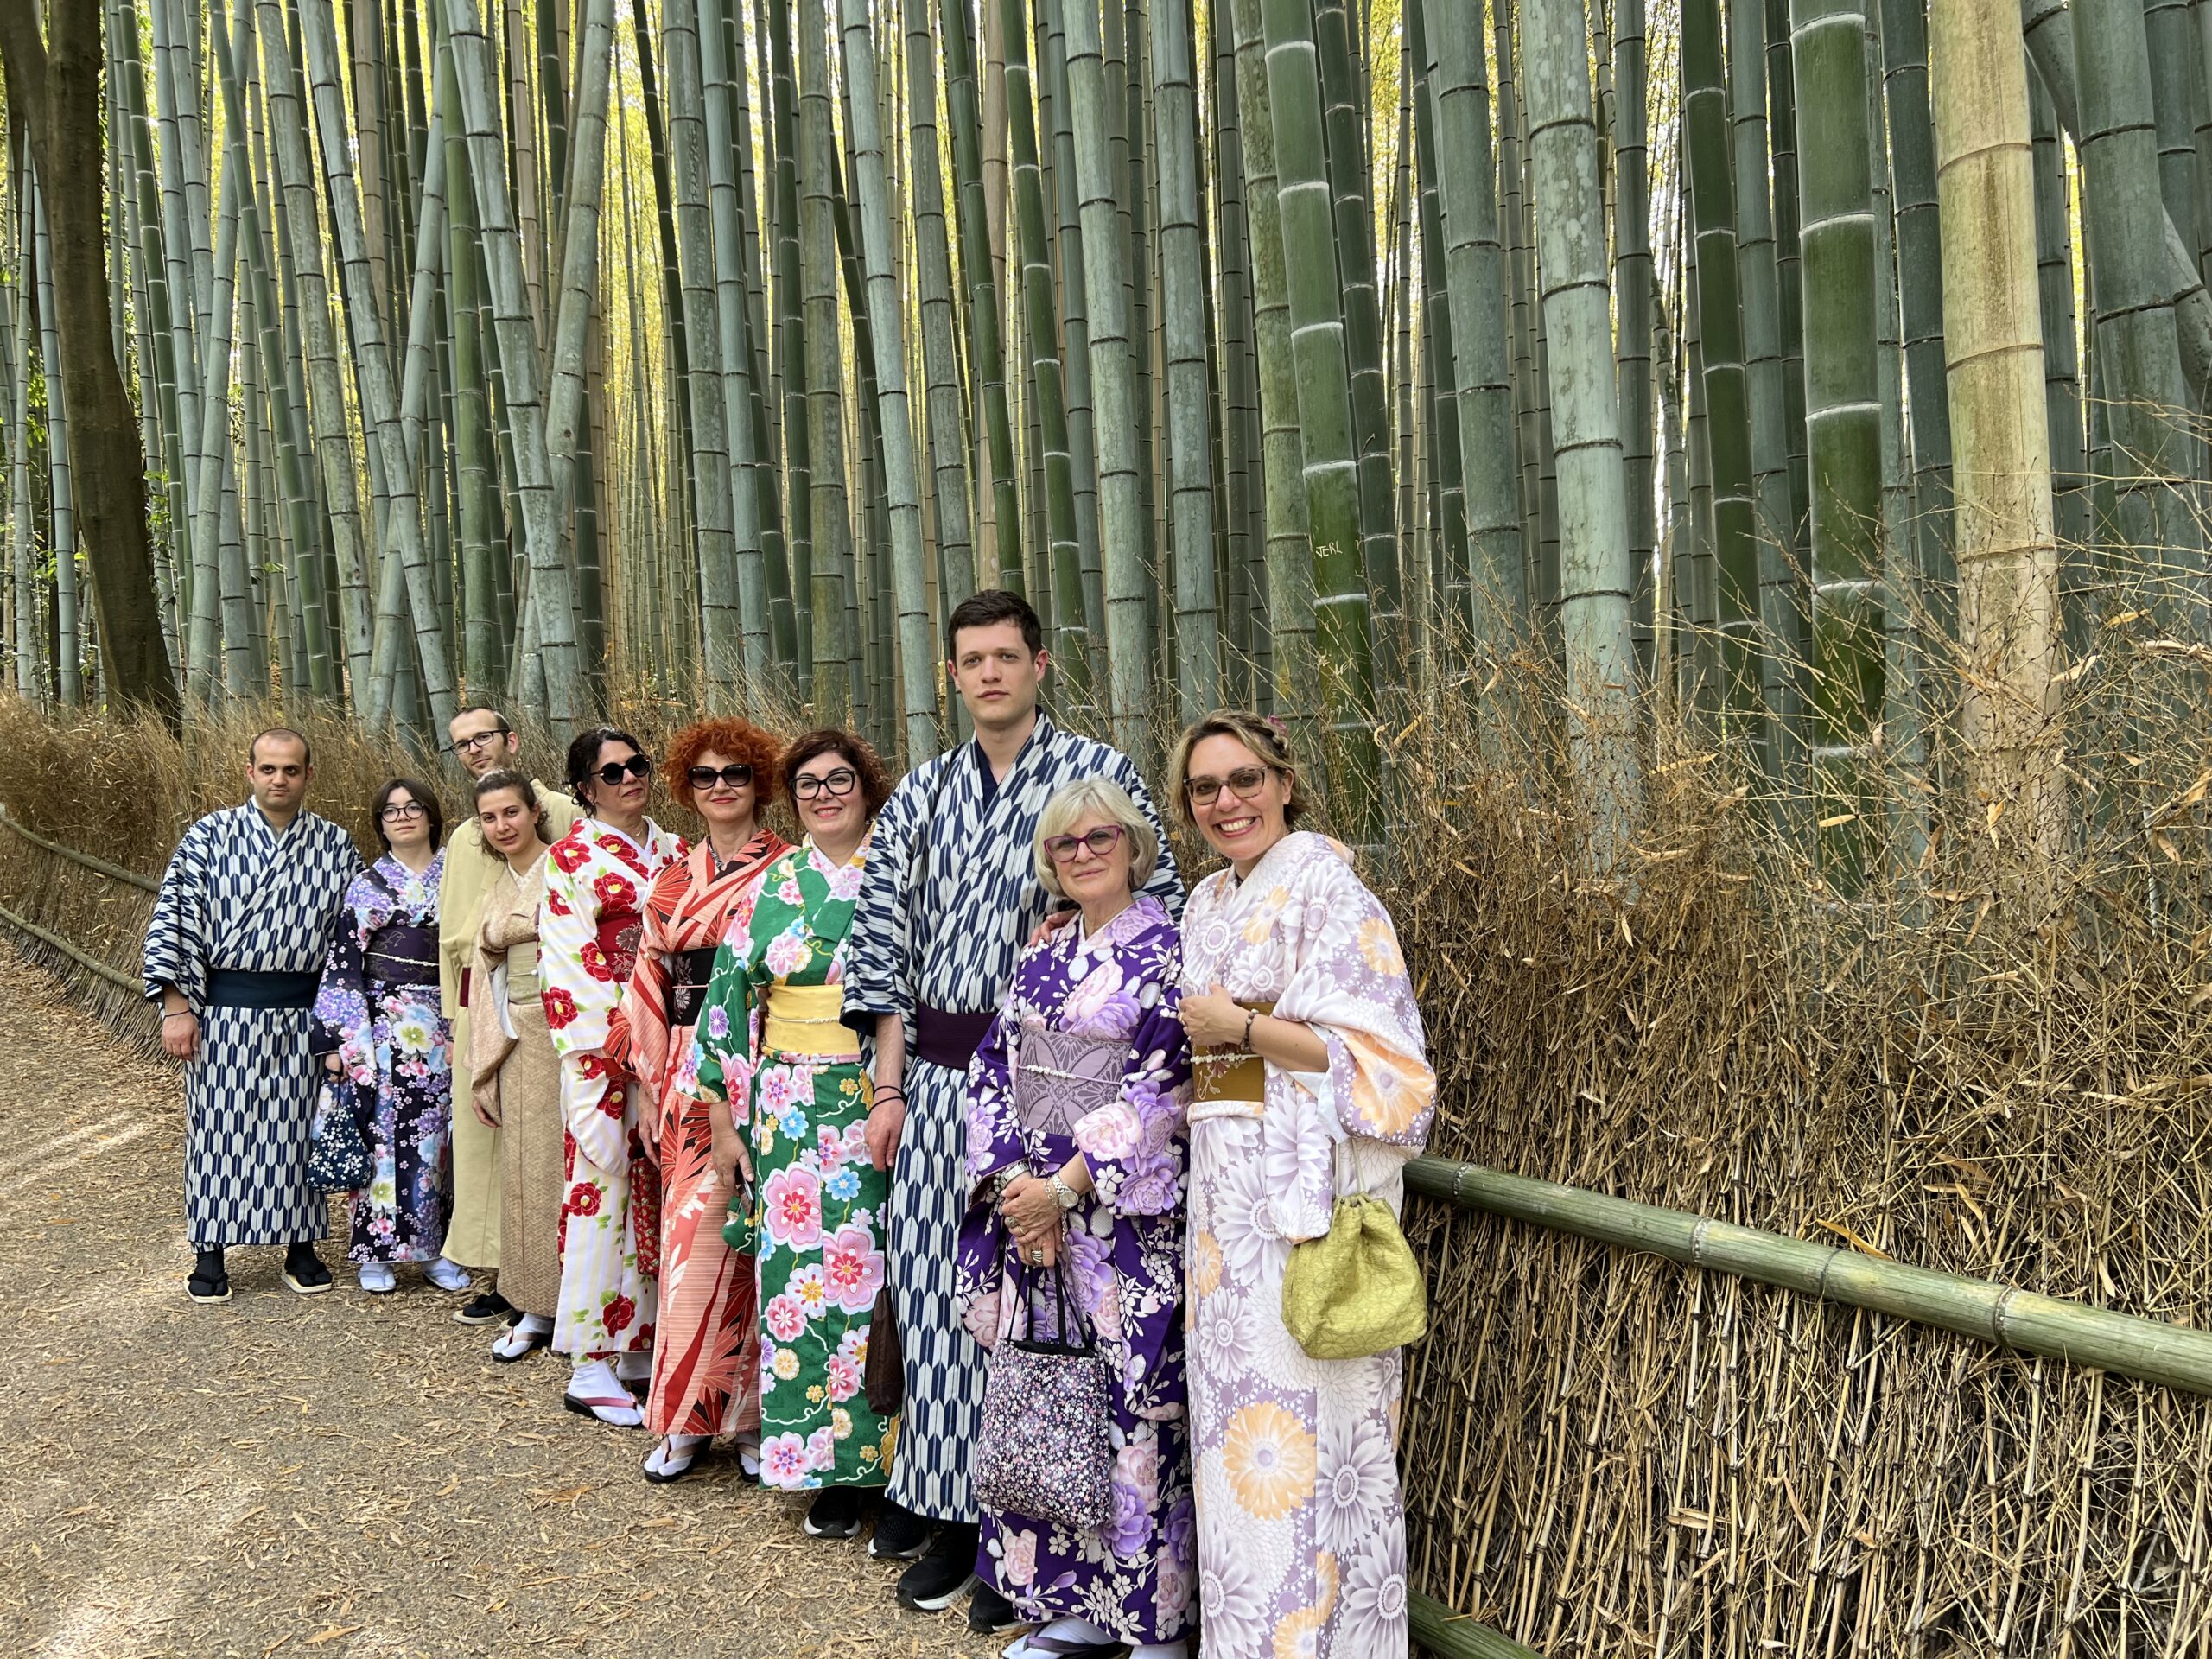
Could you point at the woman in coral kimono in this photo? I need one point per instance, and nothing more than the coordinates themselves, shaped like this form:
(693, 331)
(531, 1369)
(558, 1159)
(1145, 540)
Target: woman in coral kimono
(1075, 1143)
(595, 883)
(1310, 1082)
(771, 1043)
(706, 1352)
(377, 1024)
(515, 1074)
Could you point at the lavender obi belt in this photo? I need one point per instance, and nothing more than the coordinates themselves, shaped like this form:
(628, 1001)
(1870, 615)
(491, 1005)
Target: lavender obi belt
(1062, 1077)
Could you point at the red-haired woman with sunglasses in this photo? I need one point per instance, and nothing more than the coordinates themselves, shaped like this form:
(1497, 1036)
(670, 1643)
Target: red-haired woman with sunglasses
(707, 1352)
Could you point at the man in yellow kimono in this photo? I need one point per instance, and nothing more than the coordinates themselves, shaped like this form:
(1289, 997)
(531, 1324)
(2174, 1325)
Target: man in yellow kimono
(484, 743)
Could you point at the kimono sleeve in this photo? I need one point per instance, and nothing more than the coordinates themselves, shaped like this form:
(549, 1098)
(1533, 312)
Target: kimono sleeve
(176, 938)
(719, 1066)
(1352, 985)
(489, 1044)
(576, 1005)
(1135, 1147)
(994, 1135)
(637, 1026)
(343, 1023)
(878, 977)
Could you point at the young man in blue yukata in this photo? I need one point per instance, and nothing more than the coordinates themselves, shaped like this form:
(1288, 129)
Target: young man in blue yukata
(949, 898)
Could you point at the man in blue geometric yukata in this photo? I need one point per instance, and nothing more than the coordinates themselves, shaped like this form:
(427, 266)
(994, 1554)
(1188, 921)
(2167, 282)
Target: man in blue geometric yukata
(247, 908)
(948, 898)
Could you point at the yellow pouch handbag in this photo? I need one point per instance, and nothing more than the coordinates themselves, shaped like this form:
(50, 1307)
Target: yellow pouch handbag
(1356, 1290)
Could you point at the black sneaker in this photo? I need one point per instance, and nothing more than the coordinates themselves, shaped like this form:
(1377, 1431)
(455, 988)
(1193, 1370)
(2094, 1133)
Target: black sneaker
(991, 1614)
(943, 1575)
(835, 1514)
(486, 1307)
(304, 1272)
(900, 1535)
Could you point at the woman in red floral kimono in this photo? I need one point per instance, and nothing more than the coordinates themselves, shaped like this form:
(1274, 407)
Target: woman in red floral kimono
(596, 879)
(706, 1352)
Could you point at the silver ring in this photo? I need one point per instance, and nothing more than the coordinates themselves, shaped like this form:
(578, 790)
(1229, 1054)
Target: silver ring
(1036, 1256)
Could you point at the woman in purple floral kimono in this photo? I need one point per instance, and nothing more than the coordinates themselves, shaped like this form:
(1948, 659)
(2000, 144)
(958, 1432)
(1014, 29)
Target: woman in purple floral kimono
(1075, 1143)
(378, 1026)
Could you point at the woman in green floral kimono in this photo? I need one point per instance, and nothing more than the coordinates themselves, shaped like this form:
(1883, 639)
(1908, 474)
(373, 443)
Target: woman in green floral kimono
(770, 1041)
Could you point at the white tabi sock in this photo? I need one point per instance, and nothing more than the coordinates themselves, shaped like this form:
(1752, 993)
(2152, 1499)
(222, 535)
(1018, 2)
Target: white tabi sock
(520, 1337)
(635, 1366)
(593, 1381)
(676, 1453)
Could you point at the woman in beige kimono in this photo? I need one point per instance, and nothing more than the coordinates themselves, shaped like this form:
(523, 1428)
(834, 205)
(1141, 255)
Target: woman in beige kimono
(517, 1074)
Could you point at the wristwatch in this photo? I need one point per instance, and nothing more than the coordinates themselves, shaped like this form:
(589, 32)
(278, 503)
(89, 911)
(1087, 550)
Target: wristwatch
(1064, 1192)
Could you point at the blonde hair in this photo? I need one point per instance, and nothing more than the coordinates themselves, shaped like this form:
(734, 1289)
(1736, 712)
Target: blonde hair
(1262, 736)
(1097, 797)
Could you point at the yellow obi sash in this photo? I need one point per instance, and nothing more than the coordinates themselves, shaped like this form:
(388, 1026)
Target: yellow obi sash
(808, 1020)
(1231, 1073)
(522, 972)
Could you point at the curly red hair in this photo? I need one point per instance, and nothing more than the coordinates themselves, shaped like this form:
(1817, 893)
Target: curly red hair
(736, 740)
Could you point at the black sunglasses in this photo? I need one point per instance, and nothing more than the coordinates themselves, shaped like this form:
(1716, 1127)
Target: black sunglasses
(638, 766)
(736, 776)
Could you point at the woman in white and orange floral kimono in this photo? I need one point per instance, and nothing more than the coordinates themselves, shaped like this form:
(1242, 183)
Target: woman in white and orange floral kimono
(596, 878)
(1310, 1082)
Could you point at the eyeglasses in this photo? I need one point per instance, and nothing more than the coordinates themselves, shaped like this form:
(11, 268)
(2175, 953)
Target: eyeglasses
(470, 745)
(843, 781)
(707, 777)
(638, 766)
(1061, 849)
(404, 812)
(1244, 783)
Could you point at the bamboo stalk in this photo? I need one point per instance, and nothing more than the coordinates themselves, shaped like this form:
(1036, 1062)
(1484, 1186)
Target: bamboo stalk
(2172, 1356)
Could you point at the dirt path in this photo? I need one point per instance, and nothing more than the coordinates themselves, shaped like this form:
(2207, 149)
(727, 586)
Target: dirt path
(330, 1475)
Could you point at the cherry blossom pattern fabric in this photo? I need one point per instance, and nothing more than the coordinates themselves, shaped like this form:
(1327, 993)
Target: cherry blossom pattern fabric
(590, 924)
(820, 1262)
(1301, 1545)
(706, 1350)
(1108, 1075)
(397, 1049)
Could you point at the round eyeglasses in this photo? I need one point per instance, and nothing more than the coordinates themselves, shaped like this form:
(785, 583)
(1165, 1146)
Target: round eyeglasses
(843, 781)
(1244, 783)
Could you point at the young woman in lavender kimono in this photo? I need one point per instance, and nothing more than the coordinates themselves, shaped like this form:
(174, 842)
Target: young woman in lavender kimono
(1310, 1082)
(1075, 1145)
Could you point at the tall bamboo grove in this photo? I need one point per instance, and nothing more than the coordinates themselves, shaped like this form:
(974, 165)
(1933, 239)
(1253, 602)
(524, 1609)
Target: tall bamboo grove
(1339, 360)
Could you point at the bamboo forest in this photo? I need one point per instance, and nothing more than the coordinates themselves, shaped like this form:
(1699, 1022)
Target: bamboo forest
(1715, 490)
(1284, 354)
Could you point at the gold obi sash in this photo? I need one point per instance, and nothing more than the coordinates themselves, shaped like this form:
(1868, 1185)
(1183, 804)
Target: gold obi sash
(808, 1020)
(522, 983)
(1230, 1073)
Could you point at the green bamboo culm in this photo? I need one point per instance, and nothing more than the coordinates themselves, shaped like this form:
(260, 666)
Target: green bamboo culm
(1721, 318)
(1842, 421)
(1475, 265)
(1594, 576)
(1342, 632)
(1071, 623)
